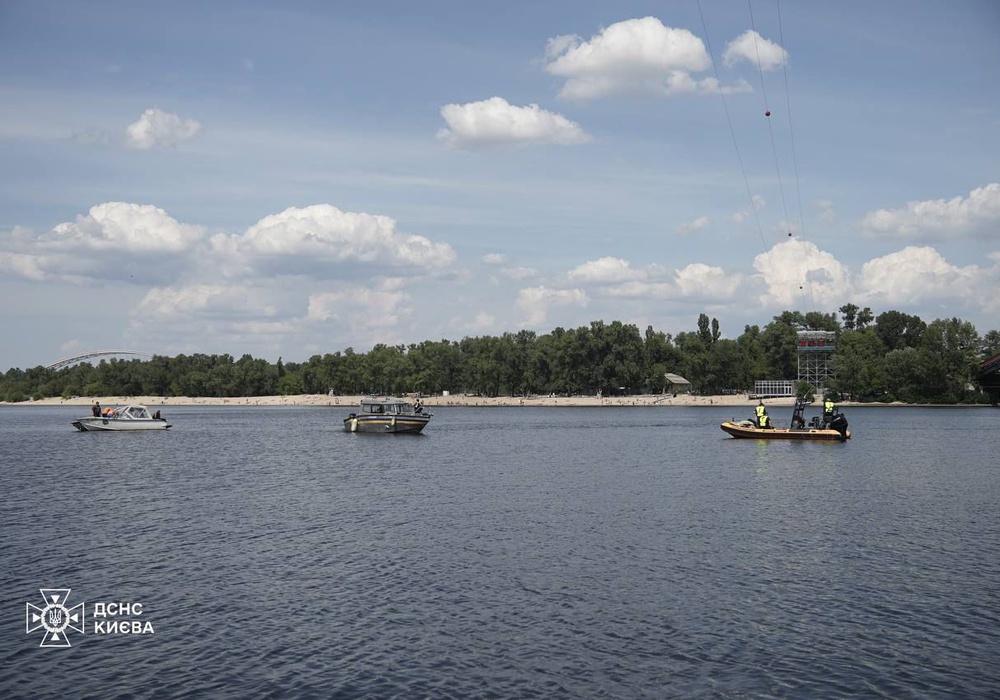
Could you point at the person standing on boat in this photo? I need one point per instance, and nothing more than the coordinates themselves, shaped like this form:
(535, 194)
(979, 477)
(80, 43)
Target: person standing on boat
(828, 408)
(96, 409)
(417, 406)
(761, 414)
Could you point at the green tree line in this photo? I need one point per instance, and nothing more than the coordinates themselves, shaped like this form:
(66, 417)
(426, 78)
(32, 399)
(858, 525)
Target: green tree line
(891, 357)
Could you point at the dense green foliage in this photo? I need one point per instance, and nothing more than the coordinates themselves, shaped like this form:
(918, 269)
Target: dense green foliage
(894, 357)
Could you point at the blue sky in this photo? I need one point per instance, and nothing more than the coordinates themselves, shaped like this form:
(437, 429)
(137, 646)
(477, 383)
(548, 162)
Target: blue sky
(287, 179)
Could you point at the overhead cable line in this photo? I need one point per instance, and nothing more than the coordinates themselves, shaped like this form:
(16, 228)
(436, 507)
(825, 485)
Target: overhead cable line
(732, 131)
(767, 110)
(791, 131)
(791, 135)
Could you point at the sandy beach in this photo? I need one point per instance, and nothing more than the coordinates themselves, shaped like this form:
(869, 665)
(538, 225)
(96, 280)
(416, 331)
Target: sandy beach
(652, 400)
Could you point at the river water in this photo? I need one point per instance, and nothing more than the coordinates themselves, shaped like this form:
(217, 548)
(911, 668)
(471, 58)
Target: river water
(505, 553)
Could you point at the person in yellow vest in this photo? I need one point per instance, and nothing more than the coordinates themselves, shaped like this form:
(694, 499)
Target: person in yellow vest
(765, 421)
(762, 418)
(828, 408)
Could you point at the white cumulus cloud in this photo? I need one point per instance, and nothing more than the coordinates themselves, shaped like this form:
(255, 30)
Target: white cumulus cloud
(494, 258)
(138, 228)
(311, 240)
(642, 290)
(794, 267)
(756, 204)
(364, 311)
(483, 322)
(752, 47)
(495, 122)
(918, 274)
(975, 216)
(113, 241)
(701, 281)
(158, 129)
(698, 224)
(636, 56)
(536, 302)
(695, 281)
(204, 301)
(607, 270)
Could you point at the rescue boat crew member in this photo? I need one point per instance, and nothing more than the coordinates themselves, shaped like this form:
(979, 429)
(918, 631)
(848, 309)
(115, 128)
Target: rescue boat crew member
(828, 409)
(761, 414)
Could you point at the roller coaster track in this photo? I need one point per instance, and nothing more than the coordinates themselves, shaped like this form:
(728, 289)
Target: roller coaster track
(66, 362)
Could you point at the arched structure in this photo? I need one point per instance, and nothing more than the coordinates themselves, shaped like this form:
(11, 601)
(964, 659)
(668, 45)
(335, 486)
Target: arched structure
(91, 355)
(989, 378)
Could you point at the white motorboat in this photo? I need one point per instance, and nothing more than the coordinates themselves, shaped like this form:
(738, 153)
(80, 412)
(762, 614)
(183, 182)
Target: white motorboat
(387, 415)
(130, 417)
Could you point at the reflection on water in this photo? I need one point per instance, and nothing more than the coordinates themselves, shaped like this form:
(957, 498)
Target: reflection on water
(624, 552)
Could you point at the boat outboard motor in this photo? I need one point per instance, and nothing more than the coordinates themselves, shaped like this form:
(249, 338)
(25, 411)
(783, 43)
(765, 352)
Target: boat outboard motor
(839, 423)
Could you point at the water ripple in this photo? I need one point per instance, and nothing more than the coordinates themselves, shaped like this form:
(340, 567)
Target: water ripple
(530, 553)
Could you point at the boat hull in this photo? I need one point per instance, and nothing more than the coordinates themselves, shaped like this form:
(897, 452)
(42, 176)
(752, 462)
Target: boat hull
(385, 424)
(108, 425)
(752, 432)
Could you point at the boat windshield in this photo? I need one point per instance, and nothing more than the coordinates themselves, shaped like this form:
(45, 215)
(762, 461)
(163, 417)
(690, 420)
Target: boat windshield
(387, 408)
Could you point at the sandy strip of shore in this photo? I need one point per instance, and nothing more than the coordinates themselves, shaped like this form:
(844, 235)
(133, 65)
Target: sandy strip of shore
(735, 400)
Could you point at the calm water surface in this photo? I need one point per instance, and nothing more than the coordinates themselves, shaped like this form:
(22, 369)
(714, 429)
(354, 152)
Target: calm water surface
(506, 553)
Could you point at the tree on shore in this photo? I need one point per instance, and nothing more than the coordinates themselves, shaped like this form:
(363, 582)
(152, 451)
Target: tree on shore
(894, 356)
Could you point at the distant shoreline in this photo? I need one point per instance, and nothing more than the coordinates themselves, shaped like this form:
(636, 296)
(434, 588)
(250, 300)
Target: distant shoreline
(462, 400)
